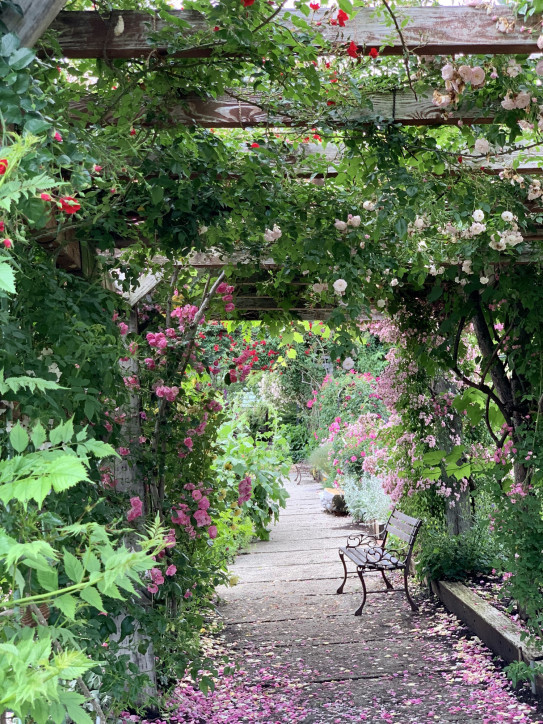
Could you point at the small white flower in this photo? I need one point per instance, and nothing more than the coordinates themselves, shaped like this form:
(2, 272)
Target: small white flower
(340, 285)
(476, 228)
(368, 206)
(273, 234)
(422, 245)
(482, 146)
(497, 245)
(463, 282)
(484, 280)
(381, 303)
(362, 244)
(478, 215)
(203, 229)
(348, 363)
(441, 270)
(523, 99)
(447, 72)
(340, 225)
(513, 68)
(419, 222)
(507, 216)
(466, 266)
(394, 282)
(466, 73)
(354, 221)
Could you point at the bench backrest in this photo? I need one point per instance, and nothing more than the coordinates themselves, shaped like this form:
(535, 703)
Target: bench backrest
(403, 527)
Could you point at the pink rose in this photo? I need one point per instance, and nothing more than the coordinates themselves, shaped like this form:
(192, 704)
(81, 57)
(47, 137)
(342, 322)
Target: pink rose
(197, 495)
(203, 504)
(188, 442)
(171, 570)
(152, 588)
(212, 531)
(136, 509)
(123, 328)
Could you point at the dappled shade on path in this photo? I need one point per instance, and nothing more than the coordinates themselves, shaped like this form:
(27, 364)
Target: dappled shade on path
(305, 658)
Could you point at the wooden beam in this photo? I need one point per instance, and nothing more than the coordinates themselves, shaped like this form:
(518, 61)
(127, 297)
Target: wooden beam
(37, 17)
(429, 31)
(230, 112)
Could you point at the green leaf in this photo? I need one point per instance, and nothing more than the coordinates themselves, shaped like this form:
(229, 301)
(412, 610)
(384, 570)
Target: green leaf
(72, 701)
(9, 44)
(37, 126)
(38, 435)
(291, 353)
(73, 567)
(91, 561)
(67, 604)
(21, 58)
(72, 664)
(48, 579)
(18, 438)
(67, 471)
(91, 596)
(7, 278)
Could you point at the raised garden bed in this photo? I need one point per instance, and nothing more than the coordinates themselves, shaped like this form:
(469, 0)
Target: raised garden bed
(494, 627)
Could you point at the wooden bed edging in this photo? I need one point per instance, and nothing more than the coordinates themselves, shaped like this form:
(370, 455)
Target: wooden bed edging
(493, 627)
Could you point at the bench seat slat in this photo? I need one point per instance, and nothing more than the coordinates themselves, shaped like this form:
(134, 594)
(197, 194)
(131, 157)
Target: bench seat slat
(372, 557)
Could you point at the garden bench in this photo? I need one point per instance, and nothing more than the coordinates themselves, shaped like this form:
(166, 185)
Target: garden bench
(301, 470)
(371, 554)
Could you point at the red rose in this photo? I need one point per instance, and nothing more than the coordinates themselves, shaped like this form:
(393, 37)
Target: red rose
(247, 3)
(314, 6)
(254, 145)
(341, 18)
(352, 50)
(374, 53)
(132, 131)
(69, 205)
(3, 166)
(7, 243)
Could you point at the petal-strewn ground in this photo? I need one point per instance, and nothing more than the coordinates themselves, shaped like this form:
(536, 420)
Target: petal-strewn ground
(304, 657)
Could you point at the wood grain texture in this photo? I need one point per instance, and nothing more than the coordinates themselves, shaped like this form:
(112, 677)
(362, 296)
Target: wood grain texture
(228, 111)
(429, 31)
(37, 17)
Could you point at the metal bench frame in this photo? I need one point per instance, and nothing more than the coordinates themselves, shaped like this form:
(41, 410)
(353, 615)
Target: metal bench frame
(371, 555)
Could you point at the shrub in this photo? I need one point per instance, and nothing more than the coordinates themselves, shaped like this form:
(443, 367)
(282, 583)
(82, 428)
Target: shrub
(454, 558)
(320, 460)
(365, 498)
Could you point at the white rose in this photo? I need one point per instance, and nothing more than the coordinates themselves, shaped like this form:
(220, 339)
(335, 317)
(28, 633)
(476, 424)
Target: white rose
(348, 363)
(477, 76)
(368, 205)
(466, 266)
(507, 216)
(466, 73)
(381, 303)
(484, 280)
(513, 68)
(478, 215)
(269, 235)
(394, 282)
(477, 228)
(203, 229)
(482, 146)
(508, 103)
(447, 72)
(523, 100)
(277, 231)
(354, 221)
(340, 225)
(340, 285)
(419, 222)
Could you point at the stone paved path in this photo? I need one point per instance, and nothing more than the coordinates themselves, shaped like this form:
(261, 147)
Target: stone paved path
(287, 625)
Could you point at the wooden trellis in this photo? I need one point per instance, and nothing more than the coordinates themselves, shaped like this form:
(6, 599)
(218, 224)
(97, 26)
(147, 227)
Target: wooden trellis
(427, 31)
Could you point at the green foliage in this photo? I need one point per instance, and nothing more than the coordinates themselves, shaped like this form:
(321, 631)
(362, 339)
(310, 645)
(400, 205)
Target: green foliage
(267, 466)
(320, 460)
(455, 558)
(365, 498)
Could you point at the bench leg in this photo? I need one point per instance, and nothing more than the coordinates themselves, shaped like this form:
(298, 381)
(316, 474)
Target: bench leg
(389, 585)
(358, 611)
(340, 589)
(412, 603)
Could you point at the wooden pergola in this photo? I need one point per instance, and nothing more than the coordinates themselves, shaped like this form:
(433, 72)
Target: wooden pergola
(428, 31)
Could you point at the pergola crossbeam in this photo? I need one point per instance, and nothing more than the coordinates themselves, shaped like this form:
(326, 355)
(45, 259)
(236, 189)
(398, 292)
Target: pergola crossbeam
(428, 31)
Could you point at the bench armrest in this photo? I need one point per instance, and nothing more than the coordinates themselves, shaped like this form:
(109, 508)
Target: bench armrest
(361, 539)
